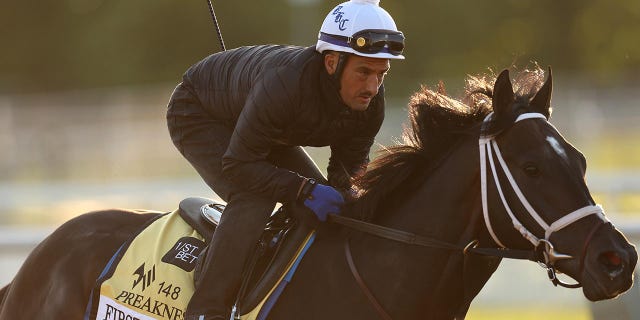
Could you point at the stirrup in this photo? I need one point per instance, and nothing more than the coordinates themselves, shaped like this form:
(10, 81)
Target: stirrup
(212, 212)
(234, 313)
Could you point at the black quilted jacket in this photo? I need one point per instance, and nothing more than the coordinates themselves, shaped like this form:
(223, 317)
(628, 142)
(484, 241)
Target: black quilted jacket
(281, 96)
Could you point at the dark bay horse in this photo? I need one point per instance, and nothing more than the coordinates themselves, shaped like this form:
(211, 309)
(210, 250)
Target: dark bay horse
(486, 172)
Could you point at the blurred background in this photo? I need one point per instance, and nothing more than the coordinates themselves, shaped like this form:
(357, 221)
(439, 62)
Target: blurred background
(84, 86)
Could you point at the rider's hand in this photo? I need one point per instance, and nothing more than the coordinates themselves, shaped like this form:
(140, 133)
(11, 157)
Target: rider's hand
(321, 199)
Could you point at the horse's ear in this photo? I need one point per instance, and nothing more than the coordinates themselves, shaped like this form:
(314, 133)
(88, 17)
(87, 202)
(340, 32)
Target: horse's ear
(542, 101)
(502, 94)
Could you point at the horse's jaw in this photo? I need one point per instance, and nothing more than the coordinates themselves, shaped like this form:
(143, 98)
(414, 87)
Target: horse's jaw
(599, 290)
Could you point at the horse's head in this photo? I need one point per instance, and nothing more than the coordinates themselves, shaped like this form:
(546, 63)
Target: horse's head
(536, 195)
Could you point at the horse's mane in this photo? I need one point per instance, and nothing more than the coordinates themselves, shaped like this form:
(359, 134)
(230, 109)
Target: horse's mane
(437, 123)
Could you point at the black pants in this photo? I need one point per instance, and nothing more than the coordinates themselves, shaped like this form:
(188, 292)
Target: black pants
(203, 141)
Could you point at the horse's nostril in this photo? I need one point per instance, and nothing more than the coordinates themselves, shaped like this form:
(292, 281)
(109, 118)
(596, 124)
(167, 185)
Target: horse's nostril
(612, 263)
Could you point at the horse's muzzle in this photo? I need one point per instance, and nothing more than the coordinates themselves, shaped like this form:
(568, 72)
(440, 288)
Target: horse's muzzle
(609, 272)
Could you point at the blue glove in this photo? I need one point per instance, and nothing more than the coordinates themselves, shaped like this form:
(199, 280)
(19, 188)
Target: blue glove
(322, 200)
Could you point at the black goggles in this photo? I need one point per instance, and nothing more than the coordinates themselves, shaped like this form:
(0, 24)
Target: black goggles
(369, 41)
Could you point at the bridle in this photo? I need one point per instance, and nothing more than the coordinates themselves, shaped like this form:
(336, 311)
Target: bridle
(543, 250)
(489, 147)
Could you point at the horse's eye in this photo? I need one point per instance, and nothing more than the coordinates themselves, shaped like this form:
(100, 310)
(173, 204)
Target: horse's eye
(531, 170)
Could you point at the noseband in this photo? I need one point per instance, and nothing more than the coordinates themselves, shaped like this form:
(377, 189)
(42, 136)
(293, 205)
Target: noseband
(489, 147)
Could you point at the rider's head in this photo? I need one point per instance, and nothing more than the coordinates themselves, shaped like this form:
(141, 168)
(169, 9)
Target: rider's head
(357, 39)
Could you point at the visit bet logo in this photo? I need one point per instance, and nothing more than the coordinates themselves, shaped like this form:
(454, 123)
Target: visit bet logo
(184, 254)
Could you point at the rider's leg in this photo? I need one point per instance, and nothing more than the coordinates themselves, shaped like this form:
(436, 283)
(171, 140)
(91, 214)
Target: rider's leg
(233, 242)
(203, 141)
(199, 138)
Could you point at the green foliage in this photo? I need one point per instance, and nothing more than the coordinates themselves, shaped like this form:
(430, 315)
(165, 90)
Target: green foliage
(75, 44)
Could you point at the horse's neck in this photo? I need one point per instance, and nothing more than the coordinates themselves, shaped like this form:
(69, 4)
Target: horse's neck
(408, 281)
(442, 203)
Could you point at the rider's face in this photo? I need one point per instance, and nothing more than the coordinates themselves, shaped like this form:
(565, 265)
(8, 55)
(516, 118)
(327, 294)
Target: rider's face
(361, 78)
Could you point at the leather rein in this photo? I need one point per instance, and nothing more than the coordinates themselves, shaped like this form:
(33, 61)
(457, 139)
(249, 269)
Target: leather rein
(543, 251)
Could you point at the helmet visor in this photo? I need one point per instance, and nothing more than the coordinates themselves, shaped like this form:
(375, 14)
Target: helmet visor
(369, 41)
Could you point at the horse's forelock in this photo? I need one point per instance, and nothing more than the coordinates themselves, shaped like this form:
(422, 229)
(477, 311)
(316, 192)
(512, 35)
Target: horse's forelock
(527, 82)
(479, 89)
(479, 94)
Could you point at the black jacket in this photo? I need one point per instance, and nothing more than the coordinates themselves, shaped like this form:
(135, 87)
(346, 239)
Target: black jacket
(281, 96)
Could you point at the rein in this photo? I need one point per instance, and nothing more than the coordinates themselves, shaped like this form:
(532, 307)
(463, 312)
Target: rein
(543, 251)
(422, 241)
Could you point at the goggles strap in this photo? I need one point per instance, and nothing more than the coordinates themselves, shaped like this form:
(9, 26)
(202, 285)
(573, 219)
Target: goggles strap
(337, 75)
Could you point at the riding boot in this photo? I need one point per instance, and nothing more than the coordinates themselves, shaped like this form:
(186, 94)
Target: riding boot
(234, 240)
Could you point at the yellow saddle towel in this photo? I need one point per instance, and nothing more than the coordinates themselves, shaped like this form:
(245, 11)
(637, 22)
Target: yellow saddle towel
(151, 277)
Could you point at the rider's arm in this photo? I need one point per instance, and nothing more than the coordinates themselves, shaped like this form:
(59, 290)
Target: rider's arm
(267, 112)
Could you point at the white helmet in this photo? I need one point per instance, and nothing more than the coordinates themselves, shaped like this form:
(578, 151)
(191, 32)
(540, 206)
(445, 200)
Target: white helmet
(363, 28)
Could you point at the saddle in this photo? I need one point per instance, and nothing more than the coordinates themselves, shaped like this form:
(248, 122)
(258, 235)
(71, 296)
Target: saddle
(280, 245)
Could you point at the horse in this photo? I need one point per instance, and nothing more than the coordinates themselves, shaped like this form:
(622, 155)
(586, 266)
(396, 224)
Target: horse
(477, 179)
